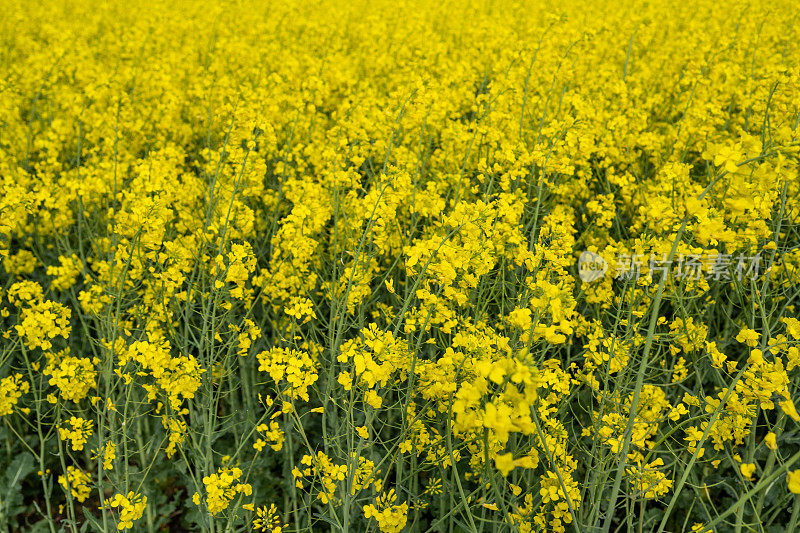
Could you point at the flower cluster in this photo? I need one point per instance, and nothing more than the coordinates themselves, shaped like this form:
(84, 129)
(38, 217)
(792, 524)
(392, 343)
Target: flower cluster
(222, 487)
(131, 508)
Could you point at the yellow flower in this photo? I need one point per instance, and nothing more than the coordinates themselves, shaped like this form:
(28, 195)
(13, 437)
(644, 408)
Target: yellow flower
(131, 506)
(268, 520)
(747, 469)
(77, 481)
(504, 463)
(11, 389)
(221, 487)
(373, 398)
(793, 479)
(748, 337)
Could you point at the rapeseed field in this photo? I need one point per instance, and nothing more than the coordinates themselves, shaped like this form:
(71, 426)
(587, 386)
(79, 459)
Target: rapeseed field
(456, 266)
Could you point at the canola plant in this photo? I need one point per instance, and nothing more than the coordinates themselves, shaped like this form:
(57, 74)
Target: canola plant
(283, 266)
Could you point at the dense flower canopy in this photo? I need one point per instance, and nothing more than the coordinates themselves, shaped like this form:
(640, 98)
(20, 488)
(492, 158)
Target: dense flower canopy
(400, 266)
